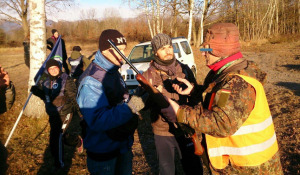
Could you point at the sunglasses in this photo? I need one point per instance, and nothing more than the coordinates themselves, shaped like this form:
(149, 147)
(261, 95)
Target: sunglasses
(206, 50)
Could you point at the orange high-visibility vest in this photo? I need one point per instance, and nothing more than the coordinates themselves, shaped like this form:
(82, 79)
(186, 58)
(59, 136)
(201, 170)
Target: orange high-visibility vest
(253, 143)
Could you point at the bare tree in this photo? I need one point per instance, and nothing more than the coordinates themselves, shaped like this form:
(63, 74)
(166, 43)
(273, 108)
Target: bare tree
(35, 107)
(152, 10)
(17, 11)
(204, 13)
(112, 18)
(146, 11)
(191, 7)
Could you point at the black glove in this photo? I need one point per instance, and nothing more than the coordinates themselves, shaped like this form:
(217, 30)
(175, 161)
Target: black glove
(37, 92)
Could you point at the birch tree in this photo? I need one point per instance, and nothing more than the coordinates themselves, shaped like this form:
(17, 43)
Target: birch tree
(204, 12)
(146, 11)
(191, 7)
(35, 107)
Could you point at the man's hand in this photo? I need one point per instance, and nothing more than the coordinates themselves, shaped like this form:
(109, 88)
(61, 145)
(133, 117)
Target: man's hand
(171, 111)
(187, 90)
(4, 78)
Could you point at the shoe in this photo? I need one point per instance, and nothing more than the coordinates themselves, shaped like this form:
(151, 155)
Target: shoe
(80, 148)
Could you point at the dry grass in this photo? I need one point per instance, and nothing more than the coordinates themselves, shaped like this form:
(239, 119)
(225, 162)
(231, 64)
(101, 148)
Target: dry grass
(10, 50)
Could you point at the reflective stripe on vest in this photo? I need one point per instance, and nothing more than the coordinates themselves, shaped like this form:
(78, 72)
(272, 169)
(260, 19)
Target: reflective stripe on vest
(253, 143)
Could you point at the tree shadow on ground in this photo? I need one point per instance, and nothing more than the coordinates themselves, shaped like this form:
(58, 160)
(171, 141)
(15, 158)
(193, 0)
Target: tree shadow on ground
(295, 87)
(292, 67)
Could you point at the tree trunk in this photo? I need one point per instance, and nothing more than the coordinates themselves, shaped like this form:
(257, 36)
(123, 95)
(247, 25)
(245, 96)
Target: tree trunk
(158, 17)
(191, 8)
(148, 20)
(36, 107)
(26, 42)
(194, 32)
(200, 33)
(298, 16)
(175, 27)
(153, 19)
(277, 19)
(272, 10)
(23, 16)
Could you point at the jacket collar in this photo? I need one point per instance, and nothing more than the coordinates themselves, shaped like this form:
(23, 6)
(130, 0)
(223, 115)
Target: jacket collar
(101, 61)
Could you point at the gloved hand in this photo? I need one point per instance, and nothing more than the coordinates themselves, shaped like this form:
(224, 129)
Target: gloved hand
(37, 92)
(137, 103)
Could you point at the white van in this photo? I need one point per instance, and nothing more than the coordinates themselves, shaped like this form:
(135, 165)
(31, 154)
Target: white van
(141, 55)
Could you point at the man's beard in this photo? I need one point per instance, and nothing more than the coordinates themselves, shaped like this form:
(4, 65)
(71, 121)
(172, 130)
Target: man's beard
(168, 57)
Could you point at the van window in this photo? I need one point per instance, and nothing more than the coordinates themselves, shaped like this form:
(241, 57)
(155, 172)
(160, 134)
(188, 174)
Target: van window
(141, 54)
(185, 46)
(176, 49)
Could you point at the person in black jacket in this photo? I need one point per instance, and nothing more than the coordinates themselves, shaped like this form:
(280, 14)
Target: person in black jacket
(58, 91)
(51, 43)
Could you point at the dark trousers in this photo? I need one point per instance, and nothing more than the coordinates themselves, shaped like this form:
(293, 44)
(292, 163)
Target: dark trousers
(59, 136)
(165, 147)
(191, 163)
(56, 146)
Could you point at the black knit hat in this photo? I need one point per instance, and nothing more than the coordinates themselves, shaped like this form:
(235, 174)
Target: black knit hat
(113, 35)
(159, 41)
(52, 62)
(53, 31)
(77, 48)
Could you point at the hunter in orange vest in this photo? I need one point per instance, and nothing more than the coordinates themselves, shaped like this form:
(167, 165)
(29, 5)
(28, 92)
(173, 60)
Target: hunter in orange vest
(234, 116)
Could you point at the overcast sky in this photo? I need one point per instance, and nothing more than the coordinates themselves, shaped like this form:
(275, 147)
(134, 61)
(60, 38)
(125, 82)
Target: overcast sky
(73, 13)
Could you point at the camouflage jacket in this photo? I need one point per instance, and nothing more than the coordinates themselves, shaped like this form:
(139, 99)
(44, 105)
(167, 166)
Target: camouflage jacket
(232, 103)
(7, 98)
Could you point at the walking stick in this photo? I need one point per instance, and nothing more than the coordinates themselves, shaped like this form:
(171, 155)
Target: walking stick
(20, 115)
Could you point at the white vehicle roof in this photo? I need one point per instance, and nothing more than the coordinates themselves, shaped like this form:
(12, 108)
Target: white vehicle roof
(173, 39)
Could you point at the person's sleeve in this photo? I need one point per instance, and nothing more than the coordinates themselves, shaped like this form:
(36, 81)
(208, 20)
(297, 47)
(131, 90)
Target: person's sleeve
(71, 92)
(37, 91)
(50, 44)
(86, 62)
(68, 64)
(223, 120)
(196, 95)
(10, 96)
(95, 108)
(64, 54)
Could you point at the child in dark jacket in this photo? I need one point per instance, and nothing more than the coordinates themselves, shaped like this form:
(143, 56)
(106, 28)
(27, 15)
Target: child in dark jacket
(77, 63)
(58, 91)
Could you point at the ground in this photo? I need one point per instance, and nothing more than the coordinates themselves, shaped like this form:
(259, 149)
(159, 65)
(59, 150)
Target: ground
(28, 153)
